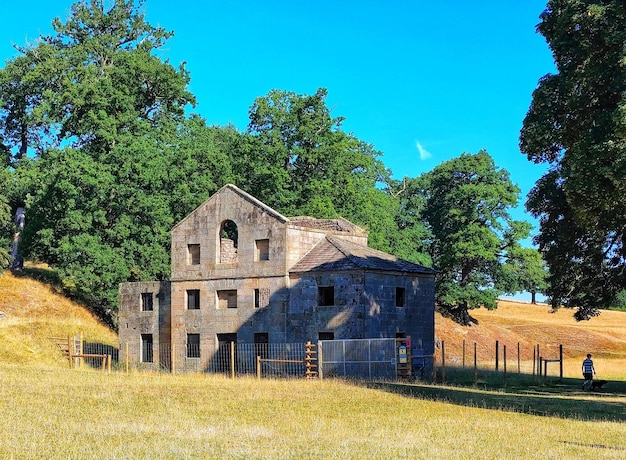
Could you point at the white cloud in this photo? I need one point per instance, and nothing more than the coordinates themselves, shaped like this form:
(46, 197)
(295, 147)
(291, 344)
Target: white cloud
(424, 154)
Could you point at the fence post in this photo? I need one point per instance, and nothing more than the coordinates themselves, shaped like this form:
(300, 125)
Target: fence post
(70, 351)
(534, 361)
(497, 354)
(173, 357)
(80, 348)
(320, 360)
(541, 364)
(232, 360)
(561, 362)
(109, 367)
(538, 362)
(504, 358)
(258, 367)
(443, 361)
(475, 365)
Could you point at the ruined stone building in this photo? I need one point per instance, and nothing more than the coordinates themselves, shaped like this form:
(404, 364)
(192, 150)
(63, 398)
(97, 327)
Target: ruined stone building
(243, 272)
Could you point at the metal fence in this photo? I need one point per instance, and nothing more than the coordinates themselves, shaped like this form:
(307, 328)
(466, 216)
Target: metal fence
(277, 359)
(366, 358)
(356, 358)
(500, 357)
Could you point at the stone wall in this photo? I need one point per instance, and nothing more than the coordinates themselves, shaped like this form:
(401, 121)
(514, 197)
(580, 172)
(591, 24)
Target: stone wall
(132, 321)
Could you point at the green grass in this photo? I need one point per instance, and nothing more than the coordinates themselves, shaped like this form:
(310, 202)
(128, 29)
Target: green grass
(56, 413)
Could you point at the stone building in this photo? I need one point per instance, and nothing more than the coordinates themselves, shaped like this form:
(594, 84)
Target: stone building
(242, 272)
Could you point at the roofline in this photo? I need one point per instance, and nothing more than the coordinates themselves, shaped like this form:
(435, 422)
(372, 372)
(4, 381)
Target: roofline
(246, 196)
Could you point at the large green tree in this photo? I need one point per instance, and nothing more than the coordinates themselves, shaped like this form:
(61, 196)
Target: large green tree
(105, 157)
(467, 203)
(296, 158)
(576, 125)
(524, 271)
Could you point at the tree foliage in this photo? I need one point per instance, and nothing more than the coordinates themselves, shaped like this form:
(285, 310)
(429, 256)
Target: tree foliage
(95, 141)
(576, 124)
(297, 159)
(467, 203)
(117, 162)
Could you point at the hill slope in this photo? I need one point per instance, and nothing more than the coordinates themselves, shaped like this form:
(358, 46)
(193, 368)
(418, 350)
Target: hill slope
(34, 312)
(531, 325)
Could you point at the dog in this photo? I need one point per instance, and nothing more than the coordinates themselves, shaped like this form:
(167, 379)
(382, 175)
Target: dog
(596, 385)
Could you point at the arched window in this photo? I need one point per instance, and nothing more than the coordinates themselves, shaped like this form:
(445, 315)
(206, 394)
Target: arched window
(228, 242)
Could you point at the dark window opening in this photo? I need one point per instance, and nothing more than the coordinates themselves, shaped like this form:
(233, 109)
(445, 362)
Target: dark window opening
(193, 345)
(147, 303)
(257, 298)
(326, 296)
(261, 344)
(193, 299)
(223, 357)
(227, 338)
(227, 299)
(193, 254)
(326, 335)
(146, 348)
(262, 250)
(400, 292)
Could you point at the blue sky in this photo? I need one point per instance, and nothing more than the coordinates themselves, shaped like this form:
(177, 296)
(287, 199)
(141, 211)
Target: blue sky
(421, 81)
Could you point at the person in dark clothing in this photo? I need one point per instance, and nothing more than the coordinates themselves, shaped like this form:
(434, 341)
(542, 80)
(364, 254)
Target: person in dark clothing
(588, 371)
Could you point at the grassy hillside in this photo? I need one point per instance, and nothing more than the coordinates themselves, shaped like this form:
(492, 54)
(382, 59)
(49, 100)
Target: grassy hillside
(529, 325)
(33, 313)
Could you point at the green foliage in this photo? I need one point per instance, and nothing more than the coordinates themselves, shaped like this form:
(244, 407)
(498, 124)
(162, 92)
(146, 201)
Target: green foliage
(524, 271)
(577, 124)
(100, 208)
(296, 159)
(466, 205)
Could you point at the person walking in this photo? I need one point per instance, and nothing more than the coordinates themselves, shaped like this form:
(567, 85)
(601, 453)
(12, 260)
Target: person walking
(588, 371)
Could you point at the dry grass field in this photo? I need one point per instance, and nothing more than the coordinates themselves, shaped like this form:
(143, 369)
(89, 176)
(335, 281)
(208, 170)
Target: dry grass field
(530, 325)
(34, 313)
(50, 411)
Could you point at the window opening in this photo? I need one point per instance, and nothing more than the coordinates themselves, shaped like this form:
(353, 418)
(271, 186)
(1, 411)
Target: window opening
(261, 344)
(400, 292)
(228, 242)
(193, 254)
(262, 250)
(147, 303)
(326, 296)
(223, 356)
(146, 348)
(193, 299)
(193, 345)
(227, 299)
(326, 335)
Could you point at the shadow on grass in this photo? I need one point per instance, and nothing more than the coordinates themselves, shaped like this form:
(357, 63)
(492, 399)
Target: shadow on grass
(551, 398)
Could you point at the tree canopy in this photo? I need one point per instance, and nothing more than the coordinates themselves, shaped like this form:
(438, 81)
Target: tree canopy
(466, 207)
(96, 143)
(576, 124)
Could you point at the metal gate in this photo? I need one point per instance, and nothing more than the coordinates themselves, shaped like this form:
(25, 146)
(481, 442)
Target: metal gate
(362, 358)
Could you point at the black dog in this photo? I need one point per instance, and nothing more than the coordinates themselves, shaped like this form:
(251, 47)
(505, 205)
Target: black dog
(596, 385)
